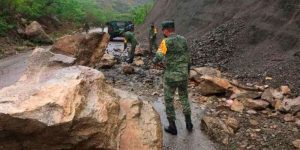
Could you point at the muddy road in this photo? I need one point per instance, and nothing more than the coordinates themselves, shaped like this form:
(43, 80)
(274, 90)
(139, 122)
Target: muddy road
(145, 83)
(11, 68)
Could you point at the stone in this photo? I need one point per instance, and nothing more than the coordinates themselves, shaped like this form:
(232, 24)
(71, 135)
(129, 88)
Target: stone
(237, 106)
(216, 128)
(278, 105)
(68, 44)
(296, 143)
(267, 95)
(253, 122)
(251, 112)
(143, 127)
(138, 62)
(289, 118)
(36, 33)
(232, 123)
(58, 107)
(139, 51)
(201, 71)
(87, 49)
(128, 69)
(285, 90)
(193, 74)
(256, 104)
(291, 105)
(246, 94)
(297, 122)
(107, 61)
(208, 85)
(63, 59)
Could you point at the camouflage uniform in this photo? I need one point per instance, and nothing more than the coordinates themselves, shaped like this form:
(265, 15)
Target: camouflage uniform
(130, 38)
(174, 51)
(152, 39)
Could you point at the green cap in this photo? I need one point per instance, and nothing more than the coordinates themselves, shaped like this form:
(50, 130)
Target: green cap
(168, 24)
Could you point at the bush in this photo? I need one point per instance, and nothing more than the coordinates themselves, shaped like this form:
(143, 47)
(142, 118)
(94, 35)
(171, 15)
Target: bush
(139, 13)
(4, 26)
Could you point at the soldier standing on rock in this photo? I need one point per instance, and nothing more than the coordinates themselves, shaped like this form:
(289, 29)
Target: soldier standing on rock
(174, 50)
(152, 39)
(129, 37)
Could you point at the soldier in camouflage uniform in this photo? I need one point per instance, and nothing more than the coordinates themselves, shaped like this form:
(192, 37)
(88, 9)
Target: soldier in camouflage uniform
(130, 38)
(152, 39)
(174, 50)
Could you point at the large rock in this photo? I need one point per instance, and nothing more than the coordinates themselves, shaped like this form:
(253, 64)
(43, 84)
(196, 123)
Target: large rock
(58, 107)
(87, 49)
(208, 85)
(36, 33)
(291, 105)
(107, 61)
(256, 104)
(216, 128)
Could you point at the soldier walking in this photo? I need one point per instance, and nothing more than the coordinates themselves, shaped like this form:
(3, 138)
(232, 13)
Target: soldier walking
(174, 50)
(152, 39)
(130, 38)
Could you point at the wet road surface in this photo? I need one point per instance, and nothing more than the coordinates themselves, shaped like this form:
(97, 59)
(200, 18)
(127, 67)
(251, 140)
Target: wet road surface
(12, 68)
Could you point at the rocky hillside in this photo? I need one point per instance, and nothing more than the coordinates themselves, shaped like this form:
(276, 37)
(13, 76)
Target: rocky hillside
(252, 40)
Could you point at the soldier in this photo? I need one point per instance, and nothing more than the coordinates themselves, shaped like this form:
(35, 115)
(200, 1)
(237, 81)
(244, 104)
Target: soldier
(152, 38)
(174, 50)
(86, 27)
(130, 38)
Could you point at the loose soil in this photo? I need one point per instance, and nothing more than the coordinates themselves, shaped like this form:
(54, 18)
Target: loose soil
(251, 40)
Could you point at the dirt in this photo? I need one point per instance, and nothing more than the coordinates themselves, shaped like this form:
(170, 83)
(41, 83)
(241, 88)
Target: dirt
(251, 40)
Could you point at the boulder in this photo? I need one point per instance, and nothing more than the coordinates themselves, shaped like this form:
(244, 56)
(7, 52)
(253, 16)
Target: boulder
(143, 128)
(68, 44)
(107, 61)
(216, 129)
(87, 49)
(291, 105)
(36, 33)
(128, 69)
(255, 104)
(58, 107)
(207, 71)
(208, 85)
(285, 90)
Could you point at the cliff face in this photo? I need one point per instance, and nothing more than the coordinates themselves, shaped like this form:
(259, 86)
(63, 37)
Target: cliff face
(250, 39)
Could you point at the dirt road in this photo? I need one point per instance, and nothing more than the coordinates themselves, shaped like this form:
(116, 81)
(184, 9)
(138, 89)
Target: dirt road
(144, 83)
(11, 68)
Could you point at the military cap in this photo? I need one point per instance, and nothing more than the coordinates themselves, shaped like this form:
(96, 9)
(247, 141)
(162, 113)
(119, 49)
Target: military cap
(168, 24)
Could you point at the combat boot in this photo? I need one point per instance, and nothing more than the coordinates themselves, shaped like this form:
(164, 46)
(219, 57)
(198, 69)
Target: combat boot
(171, 128)
(188, 122)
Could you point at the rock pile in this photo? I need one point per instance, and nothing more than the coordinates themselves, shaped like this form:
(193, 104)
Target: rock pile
(241, 104)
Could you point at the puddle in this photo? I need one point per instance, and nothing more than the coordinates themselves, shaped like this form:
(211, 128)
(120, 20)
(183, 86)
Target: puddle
(195, 140)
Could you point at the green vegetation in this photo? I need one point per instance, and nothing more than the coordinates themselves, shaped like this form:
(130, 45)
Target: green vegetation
(139, 13)
(75, 11)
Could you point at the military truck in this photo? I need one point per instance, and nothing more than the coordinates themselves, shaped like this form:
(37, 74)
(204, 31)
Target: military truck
(116, 28)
